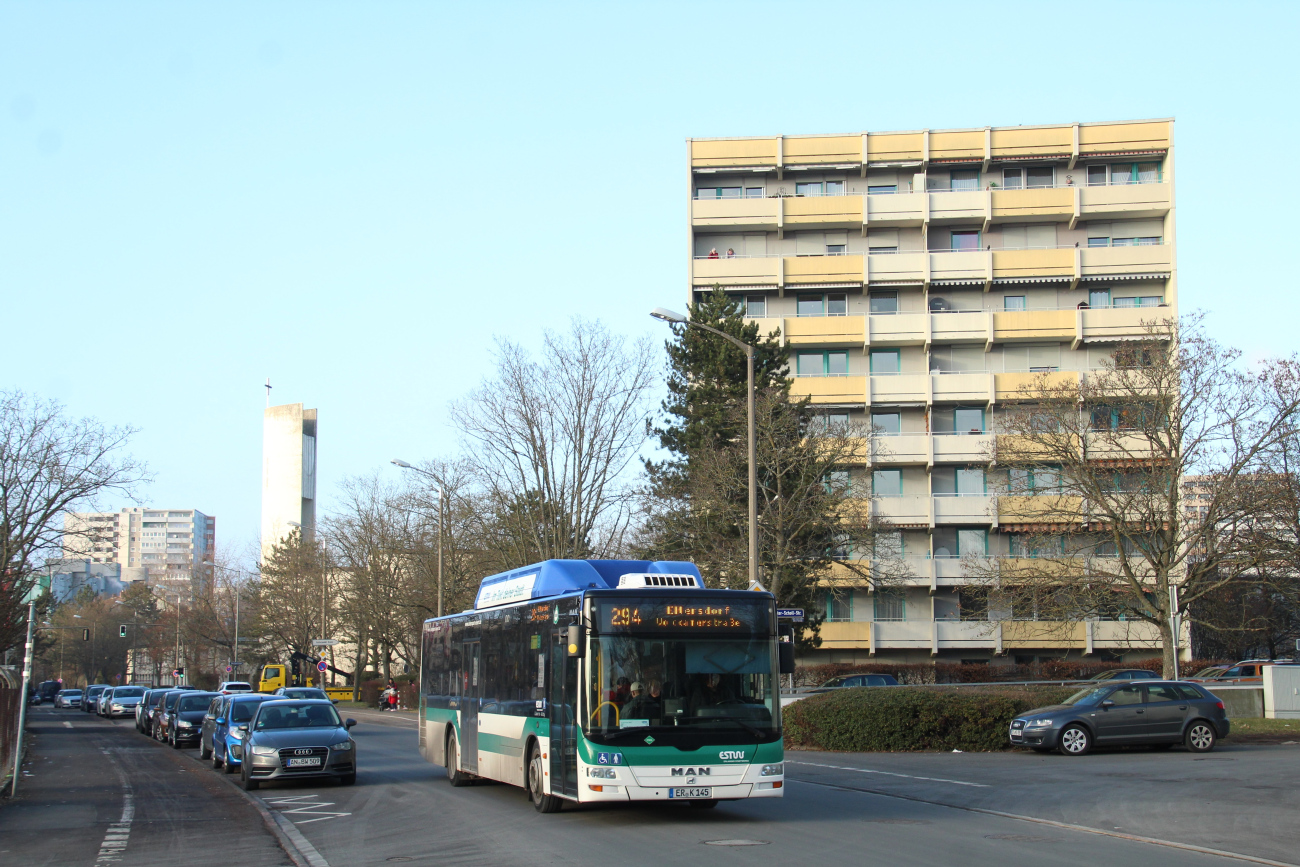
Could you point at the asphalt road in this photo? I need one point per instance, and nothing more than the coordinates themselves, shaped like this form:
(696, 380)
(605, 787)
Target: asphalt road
(839, 808)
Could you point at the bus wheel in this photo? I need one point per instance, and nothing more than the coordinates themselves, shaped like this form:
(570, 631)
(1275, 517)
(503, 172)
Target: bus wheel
(455, 775)
(542, 803)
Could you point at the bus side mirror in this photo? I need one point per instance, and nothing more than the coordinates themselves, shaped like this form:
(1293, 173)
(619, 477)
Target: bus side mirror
(785, 657)
(573, 641)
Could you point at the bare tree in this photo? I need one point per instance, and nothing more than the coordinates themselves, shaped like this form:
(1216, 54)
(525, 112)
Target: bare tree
(1093, 473)
(551, 440)
(50, 464)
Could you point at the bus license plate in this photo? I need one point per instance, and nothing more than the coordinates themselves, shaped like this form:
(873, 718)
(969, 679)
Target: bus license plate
(705, 792)
(304, 763)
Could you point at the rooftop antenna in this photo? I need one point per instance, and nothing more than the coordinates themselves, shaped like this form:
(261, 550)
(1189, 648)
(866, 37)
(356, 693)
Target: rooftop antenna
(268, 392)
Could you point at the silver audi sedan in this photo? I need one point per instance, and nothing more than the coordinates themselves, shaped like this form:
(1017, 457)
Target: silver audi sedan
(295, 739)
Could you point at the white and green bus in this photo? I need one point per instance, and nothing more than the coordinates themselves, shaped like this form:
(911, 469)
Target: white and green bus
(607, 680)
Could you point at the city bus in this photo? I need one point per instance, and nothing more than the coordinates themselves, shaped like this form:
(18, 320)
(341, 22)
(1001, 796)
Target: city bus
(607, 680)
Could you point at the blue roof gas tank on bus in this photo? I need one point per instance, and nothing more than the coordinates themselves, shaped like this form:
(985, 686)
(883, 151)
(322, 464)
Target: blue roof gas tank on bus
(560, 577)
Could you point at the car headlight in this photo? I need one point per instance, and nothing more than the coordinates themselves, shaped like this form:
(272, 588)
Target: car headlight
(265, 752)
(602, 773)
(772, 770)
(235, 734)
(117, 707)
(1038, 723)
(184, 725)
(343, 746)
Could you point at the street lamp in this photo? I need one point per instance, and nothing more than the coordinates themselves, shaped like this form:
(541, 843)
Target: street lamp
(438, 487)
(678, 319)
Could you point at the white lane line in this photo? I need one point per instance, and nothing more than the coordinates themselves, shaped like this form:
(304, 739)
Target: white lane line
(68, 724)
(119, 832)
(891, 774)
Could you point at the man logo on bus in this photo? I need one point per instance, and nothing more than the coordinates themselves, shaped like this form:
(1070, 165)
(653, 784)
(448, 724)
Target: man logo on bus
(691, 772)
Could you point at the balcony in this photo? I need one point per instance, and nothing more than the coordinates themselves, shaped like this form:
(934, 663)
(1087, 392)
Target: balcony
(738, 271)
(830, 389)
(969, 266)
(965, 510)
(959, 327)
(1155, 260)
(965, 633)
(1126, 201)
(1027, 634)
(823, 269)
(899, 388)
(1034, 325)
(903, 633)
(826, 331)
(901, 449)
(757, 214)
(1040, 510)
(904, 511)
(822, 212)
(963, 448)
(899, 329)
(898, 267)
(1117, 322)
(897, 210)
(953, 206)
(1025, 385)
(1024, 264)
(962, 387)
(844, 635)
(1027, 205)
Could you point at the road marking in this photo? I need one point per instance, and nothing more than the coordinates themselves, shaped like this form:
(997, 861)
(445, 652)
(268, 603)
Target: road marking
(891, 774)
(303, 805)
(68, 724)
(305, 849)
(1153, 841)
(119, 832)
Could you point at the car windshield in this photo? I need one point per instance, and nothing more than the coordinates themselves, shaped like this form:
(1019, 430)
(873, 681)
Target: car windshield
(242, 711)
(1088, 695)
(721, 683)
(194, 702)
(297, 716)
(128, 692)
(303, 693)
(72, 693)
(834, 681)
(234, 684)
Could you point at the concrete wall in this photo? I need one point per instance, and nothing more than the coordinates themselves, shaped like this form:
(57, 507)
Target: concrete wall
(1241, 702)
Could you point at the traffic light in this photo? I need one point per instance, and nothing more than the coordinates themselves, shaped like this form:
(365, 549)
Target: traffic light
(121, 631)
(293, 667)
(85, 635)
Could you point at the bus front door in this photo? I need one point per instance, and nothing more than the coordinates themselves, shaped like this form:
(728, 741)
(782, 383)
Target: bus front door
(469, 707)
(564, 721)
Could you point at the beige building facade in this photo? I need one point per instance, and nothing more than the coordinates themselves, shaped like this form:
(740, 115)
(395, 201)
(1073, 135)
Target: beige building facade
(289, 435)
(919, 280)
(174, 547)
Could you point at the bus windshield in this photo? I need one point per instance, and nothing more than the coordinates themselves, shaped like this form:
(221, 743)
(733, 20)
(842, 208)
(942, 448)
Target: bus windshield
(715, 684)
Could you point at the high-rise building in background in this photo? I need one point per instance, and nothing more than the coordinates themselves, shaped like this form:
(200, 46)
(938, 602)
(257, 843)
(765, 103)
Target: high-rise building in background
(288, 473)
(163, 546)
(920, 279)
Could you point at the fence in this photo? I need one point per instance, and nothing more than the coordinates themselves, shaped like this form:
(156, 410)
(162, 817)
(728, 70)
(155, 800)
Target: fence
(11, 698)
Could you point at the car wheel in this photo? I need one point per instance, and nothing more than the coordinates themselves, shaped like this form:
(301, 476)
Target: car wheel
(1075, 741)
(204, 752)
(176, 744)
(455, 775)
(216, 761)
(348, 780)
(1200, 737)
(250, 784)
(543, 803)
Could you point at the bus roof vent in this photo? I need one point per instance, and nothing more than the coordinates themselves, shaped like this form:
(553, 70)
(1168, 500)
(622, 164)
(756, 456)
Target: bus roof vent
(646, 579)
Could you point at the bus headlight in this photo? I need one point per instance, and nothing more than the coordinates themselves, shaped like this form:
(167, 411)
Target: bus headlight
(773, 770)
(602, 773)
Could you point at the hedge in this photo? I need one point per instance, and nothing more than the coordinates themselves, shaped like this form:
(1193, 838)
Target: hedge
(951, 672)
(883, 719)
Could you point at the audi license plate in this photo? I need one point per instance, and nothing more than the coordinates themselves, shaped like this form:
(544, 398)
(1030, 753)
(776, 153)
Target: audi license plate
(704, 792)
(313, 762)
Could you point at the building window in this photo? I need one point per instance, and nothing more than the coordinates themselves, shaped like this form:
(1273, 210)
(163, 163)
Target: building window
(1035, 547)
(756, 306)
(1140, 301)
(1099, 242)
(887, 423)
(823, 364)
(965, 241)
(970, 482)
(839, 607)
(836, 249)
(888, 543)
(968, 420)
(884, 302)
(818, 188)
(1027, 481)
(832, 422)
(885, 362)
(887, 483)
(1146, 241)
(890, 605)
(1099, 298)
(882, 189)
(835, 304)
(718, 192)
(838, 483)
(753, 192)
(1097, 176)
(810, 305)
(1013, 302)
(965, 179)
(1039, 177)
(1013, 179)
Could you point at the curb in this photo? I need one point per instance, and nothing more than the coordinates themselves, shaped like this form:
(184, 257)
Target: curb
(276, 825)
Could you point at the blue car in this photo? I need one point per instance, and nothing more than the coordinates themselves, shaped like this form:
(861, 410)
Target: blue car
(231, 715)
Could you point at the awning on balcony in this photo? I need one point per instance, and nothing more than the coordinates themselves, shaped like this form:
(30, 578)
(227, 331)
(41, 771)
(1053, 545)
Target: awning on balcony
(1110, 278)
(1033, 279)
(1127, 338)
(797, 286)
(895, 282)
(710, 170)
(1091, 156)
(956, 282)
(802, 167)
(894, 164)
(757, 287)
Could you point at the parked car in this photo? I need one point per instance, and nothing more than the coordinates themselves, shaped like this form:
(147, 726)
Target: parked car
(290, 739)
(186, 720)
(122, 702)
(227, 687)
(1210, 673)
(302, 692)
(847, 680)
(48, 689)
(142, 708)
(33, 697)
(1125, 674)
(228, 727)
(68, 698)
(164, 713)
(149, 716)
(1156, 713)
(1249, 670)
(89, 701)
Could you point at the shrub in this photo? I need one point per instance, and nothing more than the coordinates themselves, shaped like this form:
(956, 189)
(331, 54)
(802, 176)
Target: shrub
(951, 672)
(877, 719)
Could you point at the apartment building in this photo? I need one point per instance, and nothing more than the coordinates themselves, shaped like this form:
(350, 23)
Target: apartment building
(174, 547)
(921, 279)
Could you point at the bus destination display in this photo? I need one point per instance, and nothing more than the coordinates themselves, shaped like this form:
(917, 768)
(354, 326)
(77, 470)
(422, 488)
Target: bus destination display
(694, 615)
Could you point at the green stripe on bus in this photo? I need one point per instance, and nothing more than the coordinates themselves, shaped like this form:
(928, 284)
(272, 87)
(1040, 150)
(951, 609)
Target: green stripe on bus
(440, 714)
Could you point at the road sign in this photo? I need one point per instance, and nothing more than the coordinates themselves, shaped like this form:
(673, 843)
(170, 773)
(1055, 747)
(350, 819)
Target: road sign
(324, 642)
(228, 669)
(321, 666)
(795, 614)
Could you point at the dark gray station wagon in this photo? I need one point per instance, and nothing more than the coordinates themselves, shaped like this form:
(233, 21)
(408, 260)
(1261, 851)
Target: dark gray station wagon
(1155, 713)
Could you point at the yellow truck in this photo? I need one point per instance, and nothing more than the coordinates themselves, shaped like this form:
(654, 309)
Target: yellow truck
(277, 674)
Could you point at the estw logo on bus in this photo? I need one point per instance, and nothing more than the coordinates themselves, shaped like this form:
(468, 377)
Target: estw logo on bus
(726, 755)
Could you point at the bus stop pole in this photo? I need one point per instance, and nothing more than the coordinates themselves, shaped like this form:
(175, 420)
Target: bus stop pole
(22, 698)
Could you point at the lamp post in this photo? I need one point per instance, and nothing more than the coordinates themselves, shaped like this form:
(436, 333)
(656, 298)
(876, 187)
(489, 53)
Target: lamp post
(677, 318)
(22, 701)
(438, 487)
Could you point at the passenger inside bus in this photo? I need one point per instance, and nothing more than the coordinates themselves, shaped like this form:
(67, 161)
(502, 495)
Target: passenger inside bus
(641, 705)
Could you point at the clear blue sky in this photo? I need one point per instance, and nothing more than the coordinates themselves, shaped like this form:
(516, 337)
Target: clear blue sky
(353, 198)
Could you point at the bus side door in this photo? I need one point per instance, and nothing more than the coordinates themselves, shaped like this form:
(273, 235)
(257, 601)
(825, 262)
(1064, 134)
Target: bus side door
(564, 721)
(473, 674)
